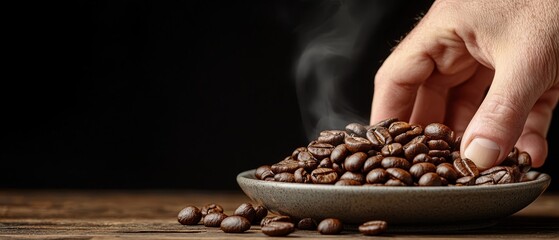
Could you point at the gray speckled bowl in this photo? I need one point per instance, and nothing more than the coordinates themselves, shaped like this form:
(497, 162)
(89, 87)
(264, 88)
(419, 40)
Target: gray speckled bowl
(404, 208)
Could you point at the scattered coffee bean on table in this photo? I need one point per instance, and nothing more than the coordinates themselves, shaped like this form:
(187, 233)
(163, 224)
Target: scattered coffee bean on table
(307, 224)
(235, 224)
(277, 229)
(330, 226)
(214, 219)
(392, 153)
(373, 228)
(281, 218)
(246, 210)
(190, 215)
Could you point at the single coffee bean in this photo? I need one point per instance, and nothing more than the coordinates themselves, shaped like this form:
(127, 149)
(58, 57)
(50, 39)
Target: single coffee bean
(356, 129)
(281, 218)
(439, 131)
(395, 162)
(302, 176)
(348, 182)
(284, 177)
(500, 174)
(393, 149)
(377, 175)
(400, 174)
(333, 137)
(305, 156)
(422, 157)
(419, 169)
(415, 131)
(372, 228)
(278, 229)
(324, 176)
(465, 167)
(447, 171)
(307, 224)
(439, 153)
(385, 123)
(438, 144)
(214, 219)
(235, 224)
(338, 168)
(418, 139)
(246, 210)
(414, 149)
(484, 180)
(320, 150)
(438, 160)
(466, 181)
(263, 172)
(190, 215)
(296, 152)
(288, 165)
(399, 127)
(210, 208)
(430, 179)
(373, 152)
(325, 163)
(310, 164)
(379, 137)
(260, 213)
(355, 176)
(354, 162)
(524, 162)
(330, 226)
(372, 163)
(339, 153)
(357, 144)
(394, 183)
(454, 155)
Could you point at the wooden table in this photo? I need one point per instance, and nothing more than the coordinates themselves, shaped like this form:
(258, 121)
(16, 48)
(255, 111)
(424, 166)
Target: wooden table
(128, 214)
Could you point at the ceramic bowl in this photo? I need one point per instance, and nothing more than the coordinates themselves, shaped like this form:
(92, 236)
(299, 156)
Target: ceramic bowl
(404, 208)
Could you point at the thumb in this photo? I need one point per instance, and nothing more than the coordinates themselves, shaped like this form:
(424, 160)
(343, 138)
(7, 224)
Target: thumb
(499, 121)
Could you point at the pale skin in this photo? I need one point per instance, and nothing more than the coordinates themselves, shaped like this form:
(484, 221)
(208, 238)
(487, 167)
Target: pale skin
(441, 70)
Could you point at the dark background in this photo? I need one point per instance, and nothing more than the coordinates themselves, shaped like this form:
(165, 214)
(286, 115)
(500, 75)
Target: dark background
(140, 94)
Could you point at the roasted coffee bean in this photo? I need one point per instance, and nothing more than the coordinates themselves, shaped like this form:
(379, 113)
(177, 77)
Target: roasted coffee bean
(339, 153)
(419, 169)
(333, 137)
(214, 219)
(357, 144)
(484, 180)
(438, 144)
(246, 210)
(512, 158)
(324, 176)
(320, 150)
(372, 163)
(284, 177)
(466, 181)
(422, 157)
(394, 183)
(395, 162)
(379, 137)
(235, 224)
(302, 176)
(524, 162)
(418, 139)
(372, 228)
(400, 174)
(377, 175)
(438, 160)
(356, 129)
(338, 168)
(454, 155)
(190, 215)
(305, 156)
(393, 149)
(356, 176)
(499, 175)
(414, 149)
(430, 179)
(348, 182)
(260, 213)
(354, 162)
(330, 226)
(307, 224)
(277, 229)
(444, 182)
(281, 218)
(263, 172)
(530, 176)
(325, 163)
(399, 127)
(439, 153)
(439, 131)
(297, 151)
(457, 142)
(310, 164)
(373, 152)
(415, 131)
(211, 208)
(465, 167)
(288, 165)
(447, 171)
(385, 123)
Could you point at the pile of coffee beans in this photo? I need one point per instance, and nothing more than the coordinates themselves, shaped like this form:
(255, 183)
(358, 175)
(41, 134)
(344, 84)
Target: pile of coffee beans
(246, 215)
(391, 153)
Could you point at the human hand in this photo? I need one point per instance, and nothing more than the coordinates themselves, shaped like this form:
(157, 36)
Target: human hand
(441, 70)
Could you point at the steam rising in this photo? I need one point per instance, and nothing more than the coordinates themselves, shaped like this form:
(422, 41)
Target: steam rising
(326, 61)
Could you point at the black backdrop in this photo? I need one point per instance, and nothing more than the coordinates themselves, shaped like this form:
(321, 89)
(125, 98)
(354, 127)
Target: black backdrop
(140, 94)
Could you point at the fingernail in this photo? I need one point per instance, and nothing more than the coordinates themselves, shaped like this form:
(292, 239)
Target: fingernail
(482, 152)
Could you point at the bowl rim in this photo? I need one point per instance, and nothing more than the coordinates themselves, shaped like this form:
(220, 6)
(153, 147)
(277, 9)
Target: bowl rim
(247, 177)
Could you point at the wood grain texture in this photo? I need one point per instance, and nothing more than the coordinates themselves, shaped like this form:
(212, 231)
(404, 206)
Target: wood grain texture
(128, 214)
